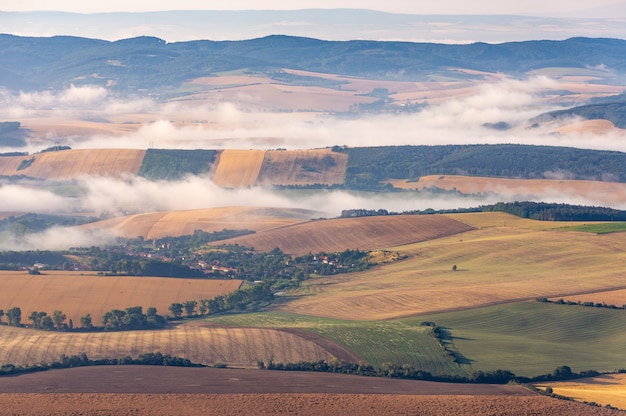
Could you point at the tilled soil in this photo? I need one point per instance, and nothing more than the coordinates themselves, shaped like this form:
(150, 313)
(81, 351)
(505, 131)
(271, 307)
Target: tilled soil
(148, 390)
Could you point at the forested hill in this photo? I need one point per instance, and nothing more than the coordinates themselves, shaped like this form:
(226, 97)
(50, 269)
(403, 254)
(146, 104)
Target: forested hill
(366, 168)
(151, 63)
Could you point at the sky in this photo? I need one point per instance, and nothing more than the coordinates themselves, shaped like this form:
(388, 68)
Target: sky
(552, 8)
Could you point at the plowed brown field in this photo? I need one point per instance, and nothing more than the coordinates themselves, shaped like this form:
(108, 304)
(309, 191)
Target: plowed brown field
(303, 167)
(73, 163)
(123, 390)
(196, 341)
(76, 294)
(238, 168)
(602, 192)
(365, 233)
(175, 223)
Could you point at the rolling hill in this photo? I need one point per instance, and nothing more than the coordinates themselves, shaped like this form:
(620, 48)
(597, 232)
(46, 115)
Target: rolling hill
(39, 63)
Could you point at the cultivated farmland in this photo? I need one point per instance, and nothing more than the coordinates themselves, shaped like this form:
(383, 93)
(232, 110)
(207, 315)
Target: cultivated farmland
(67, 164)
(600, 192)
(364, 233)
(498, 263)
(175, 223)
(303, 167)
(197, 342)
(238, 168)
(605, 389)
(77, 294)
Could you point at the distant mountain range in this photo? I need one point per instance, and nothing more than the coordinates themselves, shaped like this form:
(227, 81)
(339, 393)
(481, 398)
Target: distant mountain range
(335, 24)
(151, 64)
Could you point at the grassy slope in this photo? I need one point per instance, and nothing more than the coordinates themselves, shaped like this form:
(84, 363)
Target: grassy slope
(506, 260)
(376, 342)
(531, 338)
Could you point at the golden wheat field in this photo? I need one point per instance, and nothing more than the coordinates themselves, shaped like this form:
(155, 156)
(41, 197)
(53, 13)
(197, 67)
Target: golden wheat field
(198, 342)
(364, 233)
(499, 262)
(238, 168)
(175, 223)
(303, 167)
(599, 191)
(604, 389)
(73, 163)
(77, 293)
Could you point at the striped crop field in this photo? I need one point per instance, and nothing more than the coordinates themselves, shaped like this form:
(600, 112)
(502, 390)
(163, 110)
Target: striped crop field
(532, 338)
(67, 164)
(303, 167)
(494, 264)
(238, 168)
(195, 341)
(77, 294)
(374, 342)
(175, 223)
(364, 233)
(603, 390)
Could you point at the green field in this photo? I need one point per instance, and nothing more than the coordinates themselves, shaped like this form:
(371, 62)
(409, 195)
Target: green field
(376, 342)
(532, 338)
(601, 228)
(527, 338)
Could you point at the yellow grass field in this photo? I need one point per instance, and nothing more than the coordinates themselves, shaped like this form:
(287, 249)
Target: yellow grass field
(195, 341)
(238, 168)
(303, 167)
(602, 192)
(364, 233)
(175, 223)
(507, 259)
(73, 163)
(77, 293)
(604, 389)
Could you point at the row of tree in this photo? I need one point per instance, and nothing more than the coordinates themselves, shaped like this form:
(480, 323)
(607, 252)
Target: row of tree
(405, 371)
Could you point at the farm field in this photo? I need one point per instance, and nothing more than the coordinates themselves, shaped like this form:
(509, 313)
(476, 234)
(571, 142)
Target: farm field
(608, 193)
(73, 163)
(364, 233)
(175, 223)
(80, 293)
(200, 343)
(532, 338)
(609, 297)
(506, 259)
(604, 389)
(303, 167)
(121, 390)
(375, 342)
(238, 168)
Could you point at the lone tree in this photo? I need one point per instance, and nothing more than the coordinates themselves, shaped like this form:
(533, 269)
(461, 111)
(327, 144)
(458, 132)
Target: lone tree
(454, 268)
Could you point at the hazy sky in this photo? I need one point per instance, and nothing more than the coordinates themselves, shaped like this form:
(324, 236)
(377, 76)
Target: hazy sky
(555, 8)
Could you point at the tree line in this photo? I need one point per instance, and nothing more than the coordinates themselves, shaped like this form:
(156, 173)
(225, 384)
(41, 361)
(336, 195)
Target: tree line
(405, 371)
